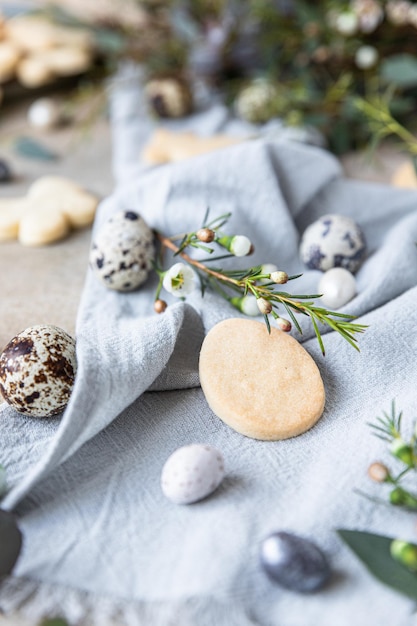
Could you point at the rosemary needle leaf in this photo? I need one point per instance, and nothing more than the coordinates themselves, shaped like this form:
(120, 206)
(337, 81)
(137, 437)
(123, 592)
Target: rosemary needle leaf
(293, 318)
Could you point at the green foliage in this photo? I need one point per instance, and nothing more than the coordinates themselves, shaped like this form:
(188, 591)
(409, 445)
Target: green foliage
(33, 149)
(400, 70)
(375, 552)
(403, 450)
(255, 282)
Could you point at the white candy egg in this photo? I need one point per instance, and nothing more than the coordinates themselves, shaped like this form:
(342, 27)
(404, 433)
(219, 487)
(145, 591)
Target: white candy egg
(191, 473)
(122, 253)
(37, 371)
(44, 113)
(338, 287)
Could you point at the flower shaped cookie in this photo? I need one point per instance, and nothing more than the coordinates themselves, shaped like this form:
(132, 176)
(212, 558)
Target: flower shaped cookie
(52, 207)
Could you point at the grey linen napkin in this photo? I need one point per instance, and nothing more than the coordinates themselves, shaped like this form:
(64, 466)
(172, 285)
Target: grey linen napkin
(101, 541)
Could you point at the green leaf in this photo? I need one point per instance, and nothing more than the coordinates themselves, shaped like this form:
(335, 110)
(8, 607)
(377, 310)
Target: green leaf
(28, 147)
(10, 543)
(374, 551)
(400, 69)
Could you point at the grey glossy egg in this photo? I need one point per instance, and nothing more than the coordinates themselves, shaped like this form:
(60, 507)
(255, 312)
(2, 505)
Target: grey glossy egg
(37, 371)
(333, 241)
(121, 254)
(294, 562)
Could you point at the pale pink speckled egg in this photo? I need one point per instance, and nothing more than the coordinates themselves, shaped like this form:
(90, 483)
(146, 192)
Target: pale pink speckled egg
(192, 473)
(37, 371)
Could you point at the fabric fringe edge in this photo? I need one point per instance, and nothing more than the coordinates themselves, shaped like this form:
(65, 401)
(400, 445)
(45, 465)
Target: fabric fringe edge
(24, 602)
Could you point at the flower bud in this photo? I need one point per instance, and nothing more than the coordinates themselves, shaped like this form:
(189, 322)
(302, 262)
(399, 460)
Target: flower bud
(239, 245)
(246, 304)
(378, 472)
(405, 553)
(159, 306)
(279, 277)
(264, 306)
(401, 497)
(283, 324)
(402, 451)
(206, 235)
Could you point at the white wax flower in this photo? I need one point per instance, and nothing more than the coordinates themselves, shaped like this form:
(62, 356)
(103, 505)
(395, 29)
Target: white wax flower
(267, 268)
(412, 16)
(240, 245)
(398, 11)
(179, 280)
(369, 12)
(346, 23)
(249, 306)
(366, 57)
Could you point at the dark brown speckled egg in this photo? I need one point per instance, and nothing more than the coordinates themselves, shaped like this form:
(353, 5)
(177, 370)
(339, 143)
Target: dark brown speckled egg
(37, 371)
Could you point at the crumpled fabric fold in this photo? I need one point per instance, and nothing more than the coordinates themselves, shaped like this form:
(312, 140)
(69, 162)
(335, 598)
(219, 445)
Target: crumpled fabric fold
(86, 487)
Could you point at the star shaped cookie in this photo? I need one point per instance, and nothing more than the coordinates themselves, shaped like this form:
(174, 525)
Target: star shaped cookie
(52, 207)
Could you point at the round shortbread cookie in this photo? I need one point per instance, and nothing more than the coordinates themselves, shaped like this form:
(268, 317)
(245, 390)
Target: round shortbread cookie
(264, 386)
(405, 176)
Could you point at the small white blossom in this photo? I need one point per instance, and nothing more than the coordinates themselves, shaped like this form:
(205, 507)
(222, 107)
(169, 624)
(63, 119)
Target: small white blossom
(267, 268)
(412, 16)
(398, 12)
(249, 306)
(346, 23)
(366, 57)
(179, 280)
(369, 13)
(240, 245)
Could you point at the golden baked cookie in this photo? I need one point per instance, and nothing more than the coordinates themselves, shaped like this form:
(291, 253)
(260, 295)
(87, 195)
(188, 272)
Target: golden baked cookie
(405, 176)
(52, 206)
(264, 386)
(166, 146)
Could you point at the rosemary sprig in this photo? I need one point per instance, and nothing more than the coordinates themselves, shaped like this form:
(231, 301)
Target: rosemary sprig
(389, 429)
(383, 124)
(263, 287)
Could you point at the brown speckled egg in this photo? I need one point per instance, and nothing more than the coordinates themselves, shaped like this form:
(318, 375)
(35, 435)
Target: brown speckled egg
(37, 371)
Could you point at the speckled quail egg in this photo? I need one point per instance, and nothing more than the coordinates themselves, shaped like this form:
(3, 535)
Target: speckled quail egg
(169, 97)
(333, 241)
(122, 252)
(37, 371)
(192, 473)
